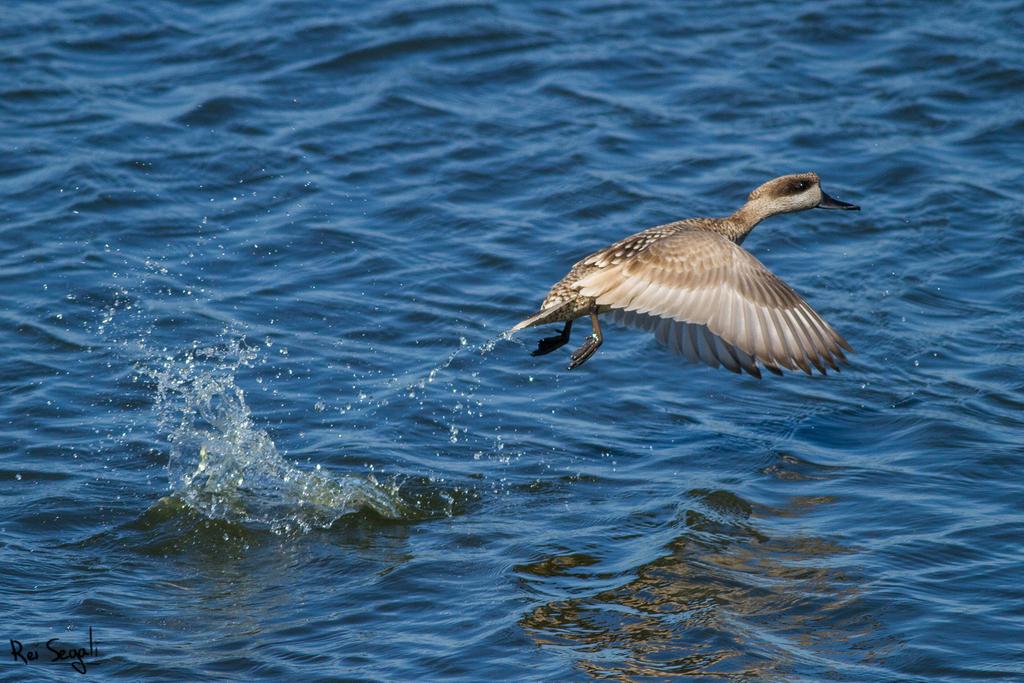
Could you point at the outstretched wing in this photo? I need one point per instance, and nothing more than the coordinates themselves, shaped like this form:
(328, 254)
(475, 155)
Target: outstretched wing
(710, 300)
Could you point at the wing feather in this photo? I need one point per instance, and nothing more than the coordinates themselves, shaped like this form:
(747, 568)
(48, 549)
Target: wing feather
(711, 301)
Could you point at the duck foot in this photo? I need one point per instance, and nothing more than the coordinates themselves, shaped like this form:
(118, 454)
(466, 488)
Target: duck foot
(549, 344)
(580, 355)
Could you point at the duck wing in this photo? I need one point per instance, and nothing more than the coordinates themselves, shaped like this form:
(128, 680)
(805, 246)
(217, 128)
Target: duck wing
(708, 299)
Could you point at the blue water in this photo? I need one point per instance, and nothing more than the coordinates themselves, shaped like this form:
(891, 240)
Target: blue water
(259, 422)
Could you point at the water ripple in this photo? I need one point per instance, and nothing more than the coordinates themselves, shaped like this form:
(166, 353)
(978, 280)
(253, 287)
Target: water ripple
(299, 232)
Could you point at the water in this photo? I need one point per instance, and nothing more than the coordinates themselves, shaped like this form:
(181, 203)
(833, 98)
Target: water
(260, 422)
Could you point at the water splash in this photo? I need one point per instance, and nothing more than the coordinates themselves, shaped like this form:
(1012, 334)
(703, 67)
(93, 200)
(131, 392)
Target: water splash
(410, 384)
(226, 467)
(445, 395)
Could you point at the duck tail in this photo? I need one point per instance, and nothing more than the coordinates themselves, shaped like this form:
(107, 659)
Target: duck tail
(529, 322)
(538, 318)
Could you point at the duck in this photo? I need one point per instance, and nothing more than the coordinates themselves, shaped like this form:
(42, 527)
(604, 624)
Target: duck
(703, 295)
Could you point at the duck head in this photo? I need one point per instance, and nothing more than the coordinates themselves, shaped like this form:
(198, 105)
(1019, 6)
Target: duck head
(795, 192)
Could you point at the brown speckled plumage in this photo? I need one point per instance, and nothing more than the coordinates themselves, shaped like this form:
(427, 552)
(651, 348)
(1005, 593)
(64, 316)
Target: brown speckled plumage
(703, 295)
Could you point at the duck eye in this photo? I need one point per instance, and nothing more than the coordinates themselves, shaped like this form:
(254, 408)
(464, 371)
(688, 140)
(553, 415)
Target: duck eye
(800, 185)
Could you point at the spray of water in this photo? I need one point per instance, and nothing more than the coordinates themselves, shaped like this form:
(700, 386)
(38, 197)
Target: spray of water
(225, 466)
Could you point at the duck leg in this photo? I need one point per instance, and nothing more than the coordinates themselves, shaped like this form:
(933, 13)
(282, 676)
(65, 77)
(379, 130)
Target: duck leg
(580, 355)
(549, 344)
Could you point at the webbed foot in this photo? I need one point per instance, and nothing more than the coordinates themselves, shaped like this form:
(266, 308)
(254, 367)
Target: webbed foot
(549, 344)
(580, 355)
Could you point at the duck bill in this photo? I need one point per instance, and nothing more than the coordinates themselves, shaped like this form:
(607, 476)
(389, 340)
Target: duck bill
(830, 203)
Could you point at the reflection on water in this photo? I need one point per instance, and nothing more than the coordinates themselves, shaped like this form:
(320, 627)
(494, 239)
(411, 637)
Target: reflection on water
(703, 605)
